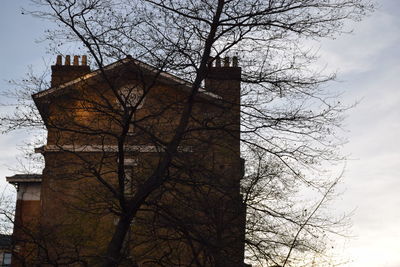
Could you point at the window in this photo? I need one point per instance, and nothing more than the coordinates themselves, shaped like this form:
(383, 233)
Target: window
(129, 167)
(131, 95)
(6, 259)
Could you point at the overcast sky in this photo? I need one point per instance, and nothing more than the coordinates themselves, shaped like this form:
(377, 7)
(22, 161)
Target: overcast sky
(368, 65)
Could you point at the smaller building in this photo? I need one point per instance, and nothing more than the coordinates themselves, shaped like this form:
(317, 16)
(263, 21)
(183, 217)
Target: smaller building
(5, 250)
(27, 210)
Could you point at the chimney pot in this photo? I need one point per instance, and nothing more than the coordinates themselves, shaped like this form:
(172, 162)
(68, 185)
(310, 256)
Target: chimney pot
(67, 60)
(226, 62)
(218, 62)
(210, 61)
(59, 60)
(76, 60)
(84, 60)
(235, 61)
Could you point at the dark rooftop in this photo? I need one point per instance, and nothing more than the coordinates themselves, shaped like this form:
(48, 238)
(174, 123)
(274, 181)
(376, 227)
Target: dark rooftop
(24, 178)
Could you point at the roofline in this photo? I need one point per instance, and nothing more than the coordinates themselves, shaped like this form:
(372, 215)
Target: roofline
(24, 178)
(186, 84)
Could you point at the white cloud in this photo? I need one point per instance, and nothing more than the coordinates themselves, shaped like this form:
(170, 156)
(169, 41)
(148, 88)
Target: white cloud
(357, 52)
(369, 61)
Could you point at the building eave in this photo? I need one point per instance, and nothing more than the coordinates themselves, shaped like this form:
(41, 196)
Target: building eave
(163, 76)
(24, 178)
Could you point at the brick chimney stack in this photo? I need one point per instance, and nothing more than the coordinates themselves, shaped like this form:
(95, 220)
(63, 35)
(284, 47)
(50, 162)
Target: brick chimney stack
(67, 72)
(224, 78)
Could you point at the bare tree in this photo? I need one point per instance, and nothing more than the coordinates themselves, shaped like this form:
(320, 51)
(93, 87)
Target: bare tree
(286, 128)
(6, 214)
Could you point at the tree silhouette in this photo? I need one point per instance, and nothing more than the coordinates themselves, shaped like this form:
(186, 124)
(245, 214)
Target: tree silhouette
(172, 161)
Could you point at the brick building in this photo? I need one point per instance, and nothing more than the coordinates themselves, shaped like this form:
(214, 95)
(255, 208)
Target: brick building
(108, 132)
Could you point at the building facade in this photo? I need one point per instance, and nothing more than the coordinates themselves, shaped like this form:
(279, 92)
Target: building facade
(110, 132)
